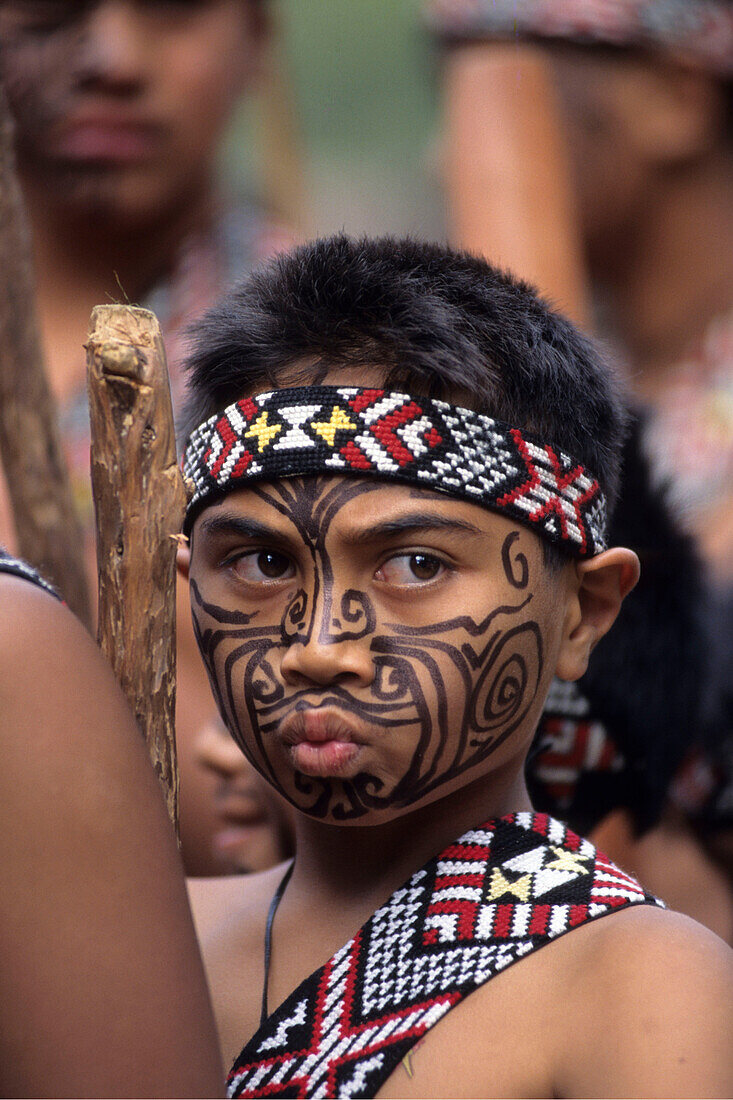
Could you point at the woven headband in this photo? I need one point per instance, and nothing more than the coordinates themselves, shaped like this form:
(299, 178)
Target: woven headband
(350, 430)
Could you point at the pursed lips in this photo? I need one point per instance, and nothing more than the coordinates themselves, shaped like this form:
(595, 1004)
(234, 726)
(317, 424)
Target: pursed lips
(321, 741)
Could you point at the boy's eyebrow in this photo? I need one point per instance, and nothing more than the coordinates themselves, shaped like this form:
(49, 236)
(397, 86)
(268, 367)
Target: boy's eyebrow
(412, 524)
(238, 525)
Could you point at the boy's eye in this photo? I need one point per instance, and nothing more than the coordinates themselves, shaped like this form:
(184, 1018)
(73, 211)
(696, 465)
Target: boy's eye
(412, 568)
(263, 565)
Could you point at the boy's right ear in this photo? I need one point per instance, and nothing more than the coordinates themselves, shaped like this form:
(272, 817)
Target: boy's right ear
(601, 585)
(183, 559)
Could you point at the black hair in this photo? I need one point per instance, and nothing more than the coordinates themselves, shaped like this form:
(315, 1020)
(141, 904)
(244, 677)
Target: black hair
(438, 322)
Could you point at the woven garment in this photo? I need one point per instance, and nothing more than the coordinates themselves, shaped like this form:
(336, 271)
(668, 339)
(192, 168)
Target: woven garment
(698, 33)
(500, 892)
(303, 431)
(575, 769)
(9, 564)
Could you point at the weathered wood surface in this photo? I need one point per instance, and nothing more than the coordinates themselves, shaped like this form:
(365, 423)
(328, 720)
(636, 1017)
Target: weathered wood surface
(48, 529)
(139, 500)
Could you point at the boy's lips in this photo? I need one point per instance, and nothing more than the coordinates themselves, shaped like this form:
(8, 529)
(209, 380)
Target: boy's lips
(322, 741)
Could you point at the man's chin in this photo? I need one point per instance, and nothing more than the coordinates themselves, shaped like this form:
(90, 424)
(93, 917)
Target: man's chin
(115, 197)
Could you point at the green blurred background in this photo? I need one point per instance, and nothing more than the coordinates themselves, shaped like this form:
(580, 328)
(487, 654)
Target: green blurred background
(360, 94)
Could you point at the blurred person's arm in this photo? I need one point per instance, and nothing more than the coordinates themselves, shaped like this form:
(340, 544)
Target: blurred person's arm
(508, 187)
(102, 990)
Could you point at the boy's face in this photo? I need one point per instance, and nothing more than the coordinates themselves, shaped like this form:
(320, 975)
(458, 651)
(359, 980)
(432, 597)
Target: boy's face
(119, 104)
(372, 646)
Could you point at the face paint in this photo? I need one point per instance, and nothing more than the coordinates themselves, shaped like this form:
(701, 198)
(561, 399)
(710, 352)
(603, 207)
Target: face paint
(325, 612)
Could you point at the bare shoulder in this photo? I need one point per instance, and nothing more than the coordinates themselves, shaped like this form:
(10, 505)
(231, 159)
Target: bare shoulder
(230, 916)
(79, 802)
(651, 993)
(644, 940)
(232, 904)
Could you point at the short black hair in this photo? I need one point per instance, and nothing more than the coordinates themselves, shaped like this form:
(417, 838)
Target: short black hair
(439, 322)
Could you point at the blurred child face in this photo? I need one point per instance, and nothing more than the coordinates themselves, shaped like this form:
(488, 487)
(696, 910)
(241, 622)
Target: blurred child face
(248, 827)
(119, 104)
(372, 647)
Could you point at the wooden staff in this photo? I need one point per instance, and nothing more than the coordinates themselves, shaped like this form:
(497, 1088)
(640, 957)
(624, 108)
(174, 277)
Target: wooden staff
(48, 530)
(139, 500)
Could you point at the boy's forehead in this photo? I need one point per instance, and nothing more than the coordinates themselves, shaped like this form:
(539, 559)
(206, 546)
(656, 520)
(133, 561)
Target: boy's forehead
(358, 510)
(313, 372)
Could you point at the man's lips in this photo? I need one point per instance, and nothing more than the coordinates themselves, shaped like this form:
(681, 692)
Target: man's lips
(120, 140)
(322, 741)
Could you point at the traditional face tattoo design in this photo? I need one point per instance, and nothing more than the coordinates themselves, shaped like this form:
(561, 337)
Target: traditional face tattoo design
(441, 696)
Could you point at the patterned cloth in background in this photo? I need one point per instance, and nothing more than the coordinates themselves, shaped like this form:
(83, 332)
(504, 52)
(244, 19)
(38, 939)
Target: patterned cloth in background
(689, 437)
(697, 32)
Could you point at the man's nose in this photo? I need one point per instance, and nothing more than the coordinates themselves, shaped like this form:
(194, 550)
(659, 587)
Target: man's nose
(335, 647)
(217, 750)
(114, 46)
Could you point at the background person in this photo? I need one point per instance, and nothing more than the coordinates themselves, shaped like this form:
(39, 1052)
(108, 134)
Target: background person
(608, 126)
(102, 991)
(119, 109)
(237, 824)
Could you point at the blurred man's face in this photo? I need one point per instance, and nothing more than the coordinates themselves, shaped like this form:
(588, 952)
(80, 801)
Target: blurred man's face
(629, 116)
(119, 104)
(602, 93)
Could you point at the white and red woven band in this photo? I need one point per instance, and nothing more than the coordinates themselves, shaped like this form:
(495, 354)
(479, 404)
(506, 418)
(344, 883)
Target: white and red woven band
(316, 430)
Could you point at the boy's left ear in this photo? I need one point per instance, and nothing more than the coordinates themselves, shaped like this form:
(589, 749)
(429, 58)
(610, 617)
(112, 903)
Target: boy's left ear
(183, 559)
(601, 584)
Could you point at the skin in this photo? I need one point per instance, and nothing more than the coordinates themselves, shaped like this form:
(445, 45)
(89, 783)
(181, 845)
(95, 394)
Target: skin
(96, 943)
(424, 696)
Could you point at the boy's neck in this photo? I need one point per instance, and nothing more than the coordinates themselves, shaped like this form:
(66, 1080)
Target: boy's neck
(352, 869)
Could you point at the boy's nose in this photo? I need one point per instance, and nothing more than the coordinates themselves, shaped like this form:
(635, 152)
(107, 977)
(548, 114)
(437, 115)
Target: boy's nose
(317, 662)
(113, 47)
(331, 651)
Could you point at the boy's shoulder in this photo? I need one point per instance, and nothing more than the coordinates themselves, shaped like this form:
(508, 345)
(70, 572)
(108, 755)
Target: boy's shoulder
(230, 915)
(232, 902)
(641, 1004)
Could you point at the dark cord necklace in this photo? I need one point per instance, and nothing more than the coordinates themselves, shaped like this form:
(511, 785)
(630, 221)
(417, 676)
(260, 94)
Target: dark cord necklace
(276, 899)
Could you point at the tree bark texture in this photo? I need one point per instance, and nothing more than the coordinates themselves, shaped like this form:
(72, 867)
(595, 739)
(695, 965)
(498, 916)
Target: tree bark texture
(139, 500)
(48, 529)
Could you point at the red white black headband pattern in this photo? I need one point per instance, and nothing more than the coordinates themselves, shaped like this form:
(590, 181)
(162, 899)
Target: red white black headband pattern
(348, 430)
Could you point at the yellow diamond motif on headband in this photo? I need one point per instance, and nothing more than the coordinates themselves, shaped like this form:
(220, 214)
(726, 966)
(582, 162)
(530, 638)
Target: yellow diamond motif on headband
(567, 861)
(339, 421)
(264, 432)
(500, 885)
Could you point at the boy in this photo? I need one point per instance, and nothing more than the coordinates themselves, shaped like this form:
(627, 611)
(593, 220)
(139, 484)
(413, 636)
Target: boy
(392, 553)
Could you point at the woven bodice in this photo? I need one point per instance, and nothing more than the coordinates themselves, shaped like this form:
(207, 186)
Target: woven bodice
(498, 893)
